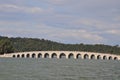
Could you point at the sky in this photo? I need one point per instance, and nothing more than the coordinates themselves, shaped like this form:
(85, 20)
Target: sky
(65, 21)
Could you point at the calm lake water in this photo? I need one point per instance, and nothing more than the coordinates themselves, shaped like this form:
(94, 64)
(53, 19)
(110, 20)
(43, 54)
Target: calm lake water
(58, 69)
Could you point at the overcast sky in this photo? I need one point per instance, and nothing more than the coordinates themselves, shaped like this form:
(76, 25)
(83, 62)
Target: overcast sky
(65, 21)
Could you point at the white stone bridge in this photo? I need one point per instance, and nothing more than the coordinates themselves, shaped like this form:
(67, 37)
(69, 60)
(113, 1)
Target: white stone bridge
(63, 54)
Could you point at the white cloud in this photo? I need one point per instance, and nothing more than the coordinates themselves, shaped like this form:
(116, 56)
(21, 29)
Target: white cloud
(12, 24)
(57, 2)
(23, 9)
(114, 32)
(76, 20)
(48, 32)
(74, 34)
(97, 24)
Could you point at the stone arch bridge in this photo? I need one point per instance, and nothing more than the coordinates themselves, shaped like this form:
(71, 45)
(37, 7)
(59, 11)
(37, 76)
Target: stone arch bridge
(63, 54)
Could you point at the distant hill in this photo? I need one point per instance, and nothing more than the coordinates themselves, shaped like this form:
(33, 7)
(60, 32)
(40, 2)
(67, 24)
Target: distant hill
(33, 44)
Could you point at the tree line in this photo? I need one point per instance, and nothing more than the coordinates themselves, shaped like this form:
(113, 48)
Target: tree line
(10, 45)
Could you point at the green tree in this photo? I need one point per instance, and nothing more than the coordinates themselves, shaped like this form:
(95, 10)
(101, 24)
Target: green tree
(5, 46)
(34, 44)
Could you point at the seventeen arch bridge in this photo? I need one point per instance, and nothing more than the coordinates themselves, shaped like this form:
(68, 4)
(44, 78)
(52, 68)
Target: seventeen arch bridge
(63, 54)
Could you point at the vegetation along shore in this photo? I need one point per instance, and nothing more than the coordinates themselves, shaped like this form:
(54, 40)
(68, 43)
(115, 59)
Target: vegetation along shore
(10, 45)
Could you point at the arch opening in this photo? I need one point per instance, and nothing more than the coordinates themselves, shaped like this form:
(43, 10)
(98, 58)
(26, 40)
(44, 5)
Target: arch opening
(78, 56)
(104, 58)
(62, 55)
(71, 55)
(86, 56)
(98, 57)
(46, 55)
(115, 58)
(13, 56)
(18, 56)
(92, 56)
(23, 56)
(110, 58)
(54, 55)
(33, 55)
(39, 55)
(28, 56)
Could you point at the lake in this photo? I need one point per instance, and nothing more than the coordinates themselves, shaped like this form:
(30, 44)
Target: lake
(58, 69)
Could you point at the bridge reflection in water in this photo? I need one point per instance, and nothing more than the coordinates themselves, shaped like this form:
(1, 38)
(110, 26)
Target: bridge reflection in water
(63, 54)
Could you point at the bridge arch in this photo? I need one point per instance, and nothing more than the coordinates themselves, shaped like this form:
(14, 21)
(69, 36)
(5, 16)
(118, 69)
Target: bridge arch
(104, 57)
(39, 55)
(92, 56)
(18, 56)
(23, 56)
(46, 55)
(14, 56)
(28, 55)
(71, 55)
(115, 58)
(62, 55)
(54, 55)
(98, 57)
(33, 55)
(110, 58)
(86, 56)
(78, 56)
